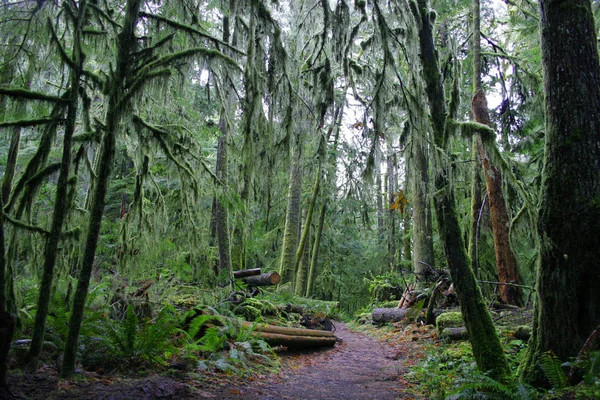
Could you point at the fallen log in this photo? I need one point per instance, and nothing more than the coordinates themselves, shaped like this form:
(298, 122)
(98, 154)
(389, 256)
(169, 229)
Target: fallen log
(296, 342)
(284, 330)
(389, 314)
(266, 279)
(243, 273)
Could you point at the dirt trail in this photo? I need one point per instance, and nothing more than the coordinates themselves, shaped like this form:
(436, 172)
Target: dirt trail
(360, 367)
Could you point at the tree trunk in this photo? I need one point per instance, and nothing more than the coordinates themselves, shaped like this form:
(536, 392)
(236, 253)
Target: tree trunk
(60, 201)
(476, 204)
(568, 283)
(124, 62)
(391, 190)
(312, 273)
(292, 219)
(506, 262)
(221, 212)
(422, 225)
(7, 328)
(487, 350)
(301, 267)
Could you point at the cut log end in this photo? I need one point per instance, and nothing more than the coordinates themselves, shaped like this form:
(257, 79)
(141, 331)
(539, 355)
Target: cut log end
(266, 279)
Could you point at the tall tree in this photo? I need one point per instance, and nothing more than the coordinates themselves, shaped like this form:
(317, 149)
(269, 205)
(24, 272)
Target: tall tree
(567, 309)
(506, 262)
(59, 214)
(487, 350)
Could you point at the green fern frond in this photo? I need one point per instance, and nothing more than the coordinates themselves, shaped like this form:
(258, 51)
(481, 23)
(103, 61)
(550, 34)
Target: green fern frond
(551, 365)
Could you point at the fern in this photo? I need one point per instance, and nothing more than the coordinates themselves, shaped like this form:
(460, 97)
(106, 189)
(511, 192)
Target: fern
(212, 341)
(553, 371)
(484, 387)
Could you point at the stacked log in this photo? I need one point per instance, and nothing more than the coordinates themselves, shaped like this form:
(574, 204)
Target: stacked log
(292, 338)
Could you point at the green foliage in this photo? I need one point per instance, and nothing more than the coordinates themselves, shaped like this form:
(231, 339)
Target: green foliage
(131, 342)
(483, 387)
(552, 367)
(229, 347)
(388, 286)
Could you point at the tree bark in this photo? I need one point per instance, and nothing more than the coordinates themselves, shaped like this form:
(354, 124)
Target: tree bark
(301, 267)
(422, 225)
(221, 212)
(391, 190)
(506, 262)
(246, 272)
(487, 350)
(290, 233)
(476, 204)
(312, 272)
(567, 309)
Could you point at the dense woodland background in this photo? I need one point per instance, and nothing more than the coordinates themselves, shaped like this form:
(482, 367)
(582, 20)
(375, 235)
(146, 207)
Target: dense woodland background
(347, 145)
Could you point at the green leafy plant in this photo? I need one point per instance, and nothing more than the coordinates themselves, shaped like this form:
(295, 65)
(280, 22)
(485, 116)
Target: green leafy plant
(552, 367)
(482, 387)
(131, 342)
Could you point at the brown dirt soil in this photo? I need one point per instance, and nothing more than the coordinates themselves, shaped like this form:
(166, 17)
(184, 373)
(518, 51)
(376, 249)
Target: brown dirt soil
(359, 367)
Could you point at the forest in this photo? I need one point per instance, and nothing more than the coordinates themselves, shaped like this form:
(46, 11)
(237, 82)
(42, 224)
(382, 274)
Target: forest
(206, 198)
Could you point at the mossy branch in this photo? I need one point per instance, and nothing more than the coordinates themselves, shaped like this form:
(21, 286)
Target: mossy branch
(189, 29)
(24, 94)
(63, 54)
(26, 122)
(141, 80)
(160, 43)
(20, 224)
(184, 54)
(92, 136)
(470, 128)
(158, 134)
(104, 15)
(38, 178)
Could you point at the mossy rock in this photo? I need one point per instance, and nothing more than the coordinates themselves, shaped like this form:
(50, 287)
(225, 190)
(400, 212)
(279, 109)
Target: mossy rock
(522, 332)
(449, 320)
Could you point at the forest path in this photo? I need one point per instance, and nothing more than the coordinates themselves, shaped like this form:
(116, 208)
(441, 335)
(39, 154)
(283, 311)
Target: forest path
(360, 367)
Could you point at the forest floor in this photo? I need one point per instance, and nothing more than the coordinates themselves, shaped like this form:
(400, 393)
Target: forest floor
(359, 367)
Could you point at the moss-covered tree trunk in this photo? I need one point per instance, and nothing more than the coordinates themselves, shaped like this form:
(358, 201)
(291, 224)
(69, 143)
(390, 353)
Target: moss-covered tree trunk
(221, 214)
(302, 267)
(391, 190)
(487, 350)
(7, 326)
(422, 221)
(476, 205)
(116, 106)
(292, 221)
(568, 280)
(60, 201)
(312, 272)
